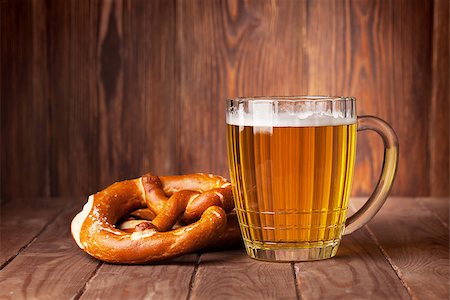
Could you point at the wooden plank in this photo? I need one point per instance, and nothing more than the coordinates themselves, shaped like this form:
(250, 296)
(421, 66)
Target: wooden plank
(405, 68)
(234, 275)
(165, 280)
(51, 267)
(416, 244)
(136, 84)
(66, 152)
(95, 91)
(342, 59)
(135, 59)
(24, 119)
(438, 130)
(149, 79)
(411, 237)
(229, 49)
(71, 39)
(98, 77)
(438, 206)
(77, 121)
(21, 220)
(358, 271)
(366, 49)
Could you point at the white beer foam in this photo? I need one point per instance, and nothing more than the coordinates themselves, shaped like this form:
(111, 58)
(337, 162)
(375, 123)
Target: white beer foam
(263, 114)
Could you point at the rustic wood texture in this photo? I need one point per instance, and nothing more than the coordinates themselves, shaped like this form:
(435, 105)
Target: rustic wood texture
(438, 206)
(70, 81)
(402, 254)
(377, 52)
(227, 49)
(52, 266)
(416, 244)
(98, 91)
(168, 280)
(21, 221)
(440, 110)
(233, 275)
(25, 117)
(359, 271)
(135, 61)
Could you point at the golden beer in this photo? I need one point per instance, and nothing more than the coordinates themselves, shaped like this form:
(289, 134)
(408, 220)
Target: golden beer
(291, 161)
(291, 184)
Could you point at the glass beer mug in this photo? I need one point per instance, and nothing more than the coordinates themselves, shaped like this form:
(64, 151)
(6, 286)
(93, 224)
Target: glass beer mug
(291, 163)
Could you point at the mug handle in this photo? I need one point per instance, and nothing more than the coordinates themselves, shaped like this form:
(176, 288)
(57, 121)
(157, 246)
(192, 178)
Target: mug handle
(388, 171)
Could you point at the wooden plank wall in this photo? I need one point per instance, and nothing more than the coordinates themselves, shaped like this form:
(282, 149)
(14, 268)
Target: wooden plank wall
(98, 91)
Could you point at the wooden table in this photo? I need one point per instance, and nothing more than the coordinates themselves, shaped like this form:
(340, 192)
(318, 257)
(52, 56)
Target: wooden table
(403, 253)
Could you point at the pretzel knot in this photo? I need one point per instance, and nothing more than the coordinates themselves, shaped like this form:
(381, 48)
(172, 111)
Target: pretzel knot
(155, 218)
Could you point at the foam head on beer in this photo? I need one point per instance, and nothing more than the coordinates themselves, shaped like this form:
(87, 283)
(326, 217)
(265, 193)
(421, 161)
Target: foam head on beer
(290, 113)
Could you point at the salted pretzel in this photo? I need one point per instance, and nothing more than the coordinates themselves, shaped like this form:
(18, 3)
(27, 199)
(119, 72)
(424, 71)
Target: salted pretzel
(167, 216)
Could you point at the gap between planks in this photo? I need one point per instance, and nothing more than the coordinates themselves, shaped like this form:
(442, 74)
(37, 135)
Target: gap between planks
(211, 260)
(383, 252)
(429, 217)
(390, 262)
(194, 279)
(359, 270)
(9, 260)
(32, 238)
(297, 288)
(194, 273)
(88, 281)
(51, 264)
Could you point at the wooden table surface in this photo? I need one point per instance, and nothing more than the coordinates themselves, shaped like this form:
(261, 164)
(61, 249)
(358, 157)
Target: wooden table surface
(403, 253)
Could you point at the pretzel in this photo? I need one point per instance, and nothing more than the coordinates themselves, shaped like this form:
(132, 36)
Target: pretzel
(179, 214)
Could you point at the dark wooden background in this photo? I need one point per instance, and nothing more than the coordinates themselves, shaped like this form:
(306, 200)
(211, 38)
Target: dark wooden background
(98, 91)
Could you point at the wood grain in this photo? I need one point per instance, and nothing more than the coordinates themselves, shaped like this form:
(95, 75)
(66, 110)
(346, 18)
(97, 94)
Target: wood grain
(416, 244)
(136, 86)
(25, 119)
(51, 267)
(22, 220)
(376, 52)
(166, 280)
(72, 97)
(359, 271)
(125, 69)
(98, 91)
(438, 206)
(440, 97)
(234, 275)
(411, 83)
(82, 107)
(229, 49)
(155, 112)
(403, 253)
(342, 52)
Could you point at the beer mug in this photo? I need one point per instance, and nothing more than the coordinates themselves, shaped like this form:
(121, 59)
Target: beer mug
(291, 163)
